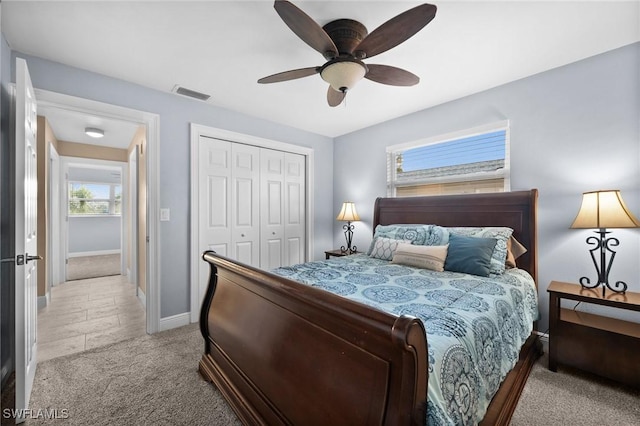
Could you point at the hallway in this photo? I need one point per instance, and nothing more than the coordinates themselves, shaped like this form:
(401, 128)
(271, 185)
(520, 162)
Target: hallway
(85, 314)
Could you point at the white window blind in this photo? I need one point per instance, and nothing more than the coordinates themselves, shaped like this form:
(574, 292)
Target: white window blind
(471, 161)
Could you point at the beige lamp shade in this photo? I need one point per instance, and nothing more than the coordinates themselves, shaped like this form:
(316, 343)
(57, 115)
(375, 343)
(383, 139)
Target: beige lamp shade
(604, 209)
(348, 212)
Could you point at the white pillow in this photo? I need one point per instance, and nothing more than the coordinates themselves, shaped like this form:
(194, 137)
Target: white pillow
(426, 257)
(383, 248)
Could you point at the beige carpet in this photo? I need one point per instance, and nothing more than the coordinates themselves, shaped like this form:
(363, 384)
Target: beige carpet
(150, 380)
(570, 397)
(83, 267)
(153, 380)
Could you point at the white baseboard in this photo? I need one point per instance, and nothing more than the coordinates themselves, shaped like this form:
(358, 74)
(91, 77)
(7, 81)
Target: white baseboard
(43, 301)
(544, 339)
(174, 321)
(93, 253)
(142, 298)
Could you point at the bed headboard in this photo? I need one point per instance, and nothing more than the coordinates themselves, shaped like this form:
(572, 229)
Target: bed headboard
(516, 210)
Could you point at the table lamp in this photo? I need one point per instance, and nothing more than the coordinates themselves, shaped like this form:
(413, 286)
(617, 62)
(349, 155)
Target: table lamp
(602, 210)
(348, 213)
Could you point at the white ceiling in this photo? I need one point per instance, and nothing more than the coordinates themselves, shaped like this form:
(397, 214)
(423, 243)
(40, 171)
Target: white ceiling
(223, 47)
(69, 126)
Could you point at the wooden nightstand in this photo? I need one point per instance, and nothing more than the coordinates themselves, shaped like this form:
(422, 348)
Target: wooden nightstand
(604, 346)
(337, 253)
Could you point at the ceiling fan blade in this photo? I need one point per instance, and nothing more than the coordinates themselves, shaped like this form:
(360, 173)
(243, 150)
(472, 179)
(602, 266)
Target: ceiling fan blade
(289, 75)
(392, 76)
(335, 98)
(396, 30)
(306, 28)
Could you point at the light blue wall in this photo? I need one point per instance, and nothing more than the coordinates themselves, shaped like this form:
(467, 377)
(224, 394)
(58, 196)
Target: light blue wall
(91, 234)
(573, 129)
(176, 113)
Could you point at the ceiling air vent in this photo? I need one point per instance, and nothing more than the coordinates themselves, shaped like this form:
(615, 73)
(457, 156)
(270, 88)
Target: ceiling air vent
(191, 93)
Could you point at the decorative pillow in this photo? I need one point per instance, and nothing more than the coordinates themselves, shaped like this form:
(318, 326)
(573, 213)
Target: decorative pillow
(416, 234)
(470, 255)
(514, 251)
(426, 257)
(384, 248)
(501, 234)
(438, 236)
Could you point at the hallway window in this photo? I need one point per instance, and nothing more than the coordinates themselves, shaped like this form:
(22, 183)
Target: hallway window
(95, 199)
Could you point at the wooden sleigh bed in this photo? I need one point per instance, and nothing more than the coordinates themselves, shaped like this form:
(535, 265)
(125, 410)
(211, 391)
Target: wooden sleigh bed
(282, 352)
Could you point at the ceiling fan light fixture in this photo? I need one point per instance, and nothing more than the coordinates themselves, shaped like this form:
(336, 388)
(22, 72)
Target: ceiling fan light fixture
(342, 75)
(94, 132)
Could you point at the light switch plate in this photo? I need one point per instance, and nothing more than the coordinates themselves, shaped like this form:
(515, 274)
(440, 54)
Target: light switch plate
(165, 215)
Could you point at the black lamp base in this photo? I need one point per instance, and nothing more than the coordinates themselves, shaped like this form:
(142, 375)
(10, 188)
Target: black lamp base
(348, 234)
(602, 244)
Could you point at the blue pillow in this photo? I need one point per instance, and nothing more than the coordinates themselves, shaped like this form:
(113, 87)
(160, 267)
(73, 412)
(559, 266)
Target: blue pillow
(501, 234)
(470, 255)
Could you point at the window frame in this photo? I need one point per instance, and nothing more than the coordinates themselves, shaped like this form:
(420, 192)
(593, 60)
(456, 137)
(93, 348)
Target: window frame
(505, 173)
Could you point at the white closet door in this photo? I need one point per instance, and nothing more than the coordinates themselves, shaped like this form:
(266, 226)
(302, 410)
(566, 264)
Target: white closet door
(245, 208)
(294, 209)
(214, 204)
(272, 178)
(251, 204)
(215, 188)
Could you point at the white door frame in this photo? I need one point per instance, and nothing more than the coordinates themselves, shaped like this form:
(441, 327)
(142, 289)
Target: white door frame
(152, 123)
(55, 196)
(198, 130)
(132, 273)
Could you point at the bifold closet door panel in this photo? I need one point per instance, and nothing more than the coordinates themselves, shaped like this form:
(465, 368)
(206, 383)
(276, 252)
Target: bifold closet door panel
(272, 171)
(214, 207)
(229, 198)
(294, 211)
(251, 204)
(214, 185)
(245, 203)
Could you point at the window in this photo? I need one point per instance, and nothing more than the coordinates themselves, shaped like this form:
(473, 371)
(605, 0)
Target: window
(472, 161)
(95, 199)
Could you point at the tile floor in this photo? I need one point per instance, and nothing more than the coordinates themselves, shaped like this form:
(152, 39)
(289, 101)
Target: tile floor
(85, 314)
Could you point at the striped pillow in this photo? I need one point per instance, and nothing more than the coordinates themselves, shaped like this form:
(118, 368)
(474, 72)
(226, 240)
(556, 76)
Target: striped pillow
(425, 257)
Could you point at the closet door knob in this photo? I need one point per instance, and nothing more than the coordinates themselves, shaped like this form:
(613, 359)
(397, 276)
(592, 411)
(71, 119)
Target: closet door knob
(273, 233)
(242, 235)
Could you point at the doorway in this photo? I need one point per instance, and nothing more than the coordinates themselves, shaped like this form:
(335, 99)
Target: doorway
(149, 123)
(93, 303)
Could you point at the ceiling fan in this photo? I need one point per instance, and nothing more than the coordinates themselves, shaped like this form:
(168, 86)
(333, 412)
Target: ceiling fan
(344, 43)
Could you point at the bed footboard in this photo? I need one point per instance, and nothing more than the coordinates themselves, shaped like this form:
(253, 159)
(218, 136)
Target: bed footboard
(282, 352)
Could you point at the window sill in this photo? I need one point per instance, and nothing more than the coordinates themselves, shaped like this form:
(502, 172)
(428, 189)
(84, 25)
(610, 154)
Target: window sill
(94, 215)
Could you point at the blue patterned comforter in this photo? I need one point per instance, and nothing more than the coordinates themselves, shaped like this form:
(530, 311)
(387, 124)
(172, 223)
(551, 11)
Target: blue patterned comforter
(475, 325)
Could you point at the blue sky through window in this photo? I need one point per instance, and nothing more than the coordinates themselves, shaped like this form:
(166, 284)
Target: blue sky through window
(484, 147)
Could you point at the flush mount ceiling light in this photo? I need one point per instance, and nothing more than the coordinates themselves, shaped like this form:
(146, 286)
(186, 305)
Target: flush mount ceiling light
(94, 132)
